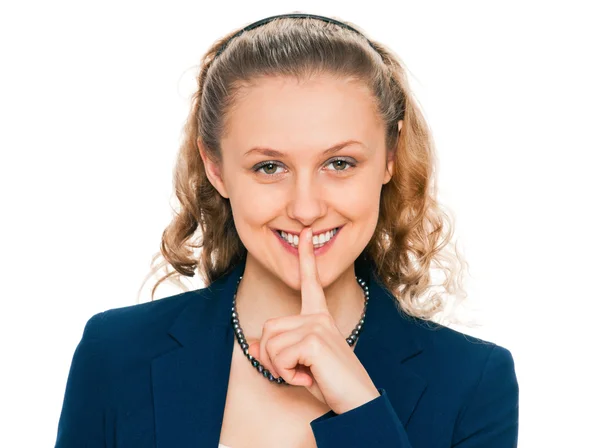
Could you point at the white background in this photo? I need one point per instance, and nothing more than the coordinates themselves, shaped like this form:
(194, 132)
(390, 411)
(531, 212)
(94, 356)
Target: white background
(93, 100)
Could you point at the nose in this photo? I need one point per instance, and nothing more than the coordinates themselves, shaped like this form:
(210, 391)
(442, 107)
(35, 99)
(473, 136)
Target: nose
(306, 203)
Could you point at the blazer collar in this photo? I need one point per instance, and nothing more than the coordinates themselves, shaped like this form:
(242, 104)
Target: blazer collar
(190, 382)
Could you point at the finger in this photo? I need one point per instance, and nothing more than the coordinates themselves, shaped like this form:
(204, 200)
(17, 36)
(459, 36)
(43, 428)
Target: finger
(254, 350)
(294, 364)
(280, 342)
(313, 297)
(271, 329)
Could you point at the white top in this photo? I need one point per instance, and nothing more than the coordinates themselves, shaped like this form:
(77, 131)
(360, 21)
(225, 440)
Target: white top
(223, 446)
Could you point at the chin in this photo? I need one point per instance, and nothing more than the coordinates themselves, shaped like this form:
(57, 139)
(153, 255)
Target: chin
(327, 273)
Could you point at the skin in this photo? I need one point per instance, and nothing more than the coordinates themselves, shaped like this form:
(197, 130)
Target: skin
(297, 310)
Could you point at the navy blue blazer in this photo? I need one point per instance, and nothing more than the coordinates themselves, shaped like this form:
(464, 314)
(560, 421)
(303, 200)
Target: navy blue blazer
(156, 375)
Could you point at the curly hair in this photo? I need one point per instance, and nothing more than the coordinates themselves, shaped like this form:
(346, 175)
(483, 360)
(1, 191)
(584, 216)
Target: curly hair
(413, 231)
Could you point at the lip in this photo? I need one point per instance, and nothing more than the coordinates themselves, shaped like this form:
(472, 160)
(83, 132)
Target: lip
(318, 251)
(315, 233)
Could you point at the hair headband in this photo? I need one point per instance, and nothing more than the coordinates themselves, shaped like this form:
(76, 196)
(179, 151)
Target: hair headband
(293, 15)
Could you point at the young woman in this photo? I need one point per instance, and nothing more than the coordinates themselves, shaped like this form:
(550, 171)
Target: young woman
(306, 178)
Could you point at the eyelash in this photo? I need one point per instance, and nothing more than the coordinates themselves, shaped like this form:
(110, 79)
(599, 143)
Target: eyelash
(261, 165)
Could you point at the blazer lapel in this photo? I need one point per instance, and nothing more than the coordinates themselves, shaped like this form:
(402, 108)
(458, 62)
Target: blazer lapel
(189, 382)
(386, 344)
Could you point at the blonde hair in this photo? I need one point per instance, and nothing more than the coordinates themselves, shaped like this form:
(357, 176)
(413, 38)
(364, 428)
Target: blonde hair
(413, 231)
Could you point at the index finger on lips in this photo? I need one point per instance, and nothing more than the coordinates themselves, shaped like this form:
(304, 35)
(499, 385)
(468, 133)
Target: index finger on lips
(313, 297)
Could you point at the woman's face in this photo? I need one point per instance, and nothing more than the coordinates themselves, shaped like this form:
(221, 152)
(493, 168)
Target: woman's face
(298, 155)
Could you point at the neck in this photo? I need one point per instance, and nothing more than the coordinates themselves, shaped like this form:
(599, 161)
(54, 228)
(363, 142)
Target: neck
(262, 295)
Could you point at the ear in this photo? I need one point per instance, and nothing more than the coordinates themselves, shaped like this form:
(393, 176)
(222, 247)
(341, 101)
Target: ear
(213, 171)
(389, 168)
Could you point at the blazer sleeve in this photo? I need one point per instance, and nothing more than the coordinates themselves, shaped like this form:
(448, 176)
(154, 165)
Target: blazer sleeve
(81, 419)
(491, 416)
(489, 419)
(373, 424)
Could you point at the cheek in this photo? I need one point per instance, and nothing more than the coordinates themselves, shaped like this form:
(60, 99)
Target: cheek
(250, 205)
(249, 210)
(253, 208)
(246, 217)
(358, 201)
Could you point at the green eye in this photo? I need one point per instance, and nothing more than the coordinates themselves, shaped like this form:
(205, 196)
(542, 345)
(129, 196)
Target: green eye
(269, 167)
(342, 165)
(336, 164)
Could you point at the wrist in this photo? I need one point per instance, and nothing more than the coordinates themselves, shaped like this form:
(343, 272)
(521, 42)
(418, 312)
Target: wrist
(369, 395)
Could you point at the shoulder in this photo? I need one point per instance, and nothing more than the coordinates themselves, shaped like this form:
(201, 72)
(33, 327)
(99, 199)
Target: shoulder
(460, 355)
(476, 377)
(136, 328)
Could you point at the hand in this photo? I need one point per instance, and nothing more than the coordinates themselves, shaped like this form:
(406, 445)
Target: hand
(309, 350)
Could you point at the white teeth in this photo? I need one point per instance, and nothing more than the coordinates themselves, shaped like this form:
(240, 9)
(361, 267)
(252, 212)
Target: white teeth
(318, 240)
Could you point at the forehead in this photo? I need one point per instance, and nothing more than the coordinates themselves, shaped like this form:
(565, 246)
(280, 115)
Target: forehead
(287, 113)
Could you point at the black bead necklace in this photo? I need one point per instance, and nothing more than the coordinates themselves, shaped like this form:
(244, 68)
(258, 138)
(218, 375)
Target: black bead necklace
(259, 367)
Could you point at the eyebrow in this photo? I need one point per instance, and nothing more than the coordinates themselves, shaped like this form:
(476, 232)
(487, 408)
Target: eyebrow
(274, 153)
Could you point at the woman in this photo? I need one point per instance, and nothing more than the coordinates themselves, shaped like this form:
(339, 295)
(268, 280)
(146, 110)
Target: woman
(308, 169)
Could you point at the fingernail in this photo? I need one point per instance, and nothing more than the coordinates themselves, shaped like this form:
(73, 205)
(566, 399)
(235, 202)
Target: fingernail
(309, 235)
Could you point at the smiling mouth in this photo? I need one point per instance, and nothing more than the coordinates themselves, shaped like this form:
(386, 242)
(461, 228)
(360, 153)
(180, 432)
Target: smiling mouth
(318, 240)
